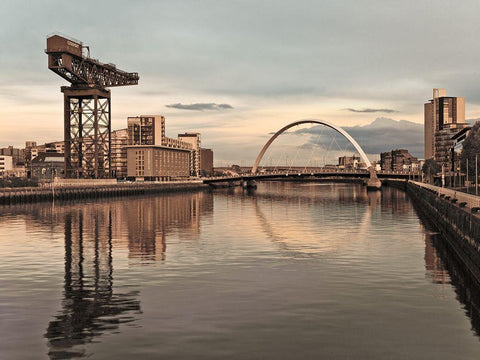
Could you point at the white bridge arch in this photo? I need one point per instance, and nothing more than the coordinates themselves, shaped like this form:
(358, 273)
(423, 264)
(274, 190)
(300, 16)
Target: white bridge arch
(320, 122)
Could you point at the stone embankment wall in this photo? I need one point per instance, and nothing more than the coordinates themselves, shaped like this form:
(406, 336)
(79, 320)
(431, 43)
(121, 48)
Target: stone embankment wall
(72, 192)
(460, 226)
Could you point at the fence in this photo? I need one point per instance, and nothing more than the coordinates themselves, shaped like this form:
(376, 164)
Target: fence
(471, 201)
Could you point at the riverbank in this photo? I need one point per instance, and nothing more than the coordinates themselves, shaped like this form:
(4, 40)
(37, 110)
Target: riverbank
(455, 220)
(93, 190)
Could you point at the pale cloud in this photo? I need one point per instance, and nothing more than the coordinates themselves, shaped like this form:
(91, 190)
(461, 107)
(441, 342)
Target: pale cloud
(368, 110)
(200, 106)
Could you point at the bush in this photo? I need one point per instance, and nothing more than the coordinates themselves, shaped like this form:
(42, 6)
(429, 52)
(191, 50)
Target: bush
(17, 182)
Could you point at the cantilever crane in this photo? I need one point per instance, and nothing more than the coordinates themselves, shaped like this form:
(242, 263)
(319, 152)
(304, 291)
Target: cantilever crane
(87, 117)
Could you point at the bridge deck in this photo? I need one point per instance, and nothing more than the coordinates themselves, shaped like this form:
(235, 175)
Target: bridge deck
(318, 174)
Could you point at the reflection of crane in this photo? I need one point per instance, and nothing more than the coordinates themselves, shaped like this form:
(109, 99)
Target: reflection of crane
(87, 117)
(90, 306)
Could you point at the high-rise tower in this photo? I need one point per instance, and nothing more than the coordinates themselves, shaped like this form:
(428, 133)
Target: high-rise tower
(444, 116)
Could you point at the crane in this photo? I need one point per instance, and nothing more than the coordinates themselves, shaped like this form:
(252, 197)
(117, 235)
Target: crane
(87, 102)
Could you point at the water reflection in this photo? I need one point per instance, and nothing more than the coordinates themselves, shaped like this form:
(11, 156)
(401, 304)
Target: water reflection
(442, 267)
(197, 273)
(150, 220)
(90, 306)
(284, 241)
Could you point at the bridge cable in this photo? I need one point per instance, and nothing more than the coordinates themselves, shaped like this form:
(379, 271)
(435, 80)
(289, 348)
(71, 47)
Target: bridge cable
(314, 147)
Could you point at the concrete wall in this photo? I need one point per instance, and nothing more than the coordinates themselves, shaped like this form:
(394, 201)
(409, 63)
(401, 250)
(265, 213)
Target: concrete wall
(82, 191)
(459, 225)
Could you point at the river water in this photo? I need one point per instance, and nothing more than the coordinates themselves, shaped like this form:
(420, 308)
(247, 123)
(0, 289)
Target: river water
(289, 271)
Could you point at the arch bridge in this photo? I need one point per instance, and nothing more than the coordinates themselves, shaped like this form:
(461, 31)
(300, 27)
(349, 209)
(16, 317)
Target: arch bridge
(373, 182)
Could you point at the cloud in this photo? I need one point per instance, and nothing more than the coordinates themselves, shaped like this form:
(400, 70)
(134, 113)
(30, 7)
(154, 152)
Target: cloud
(200, 106)
(370, 110)
(383, 134)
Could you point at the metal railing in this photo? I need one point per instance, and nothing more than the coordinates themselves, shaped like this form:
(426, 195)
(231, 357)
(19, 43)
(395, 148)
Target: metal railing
(471, 201)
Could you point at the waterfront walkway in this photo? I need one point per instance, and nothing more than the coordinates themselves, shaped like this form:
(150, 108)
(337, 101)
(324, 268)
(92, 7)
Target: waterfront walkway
(468, 200)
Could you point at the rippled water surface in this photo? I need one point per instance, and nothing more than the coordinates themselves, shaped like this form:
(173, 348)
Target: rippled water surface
(290, 271)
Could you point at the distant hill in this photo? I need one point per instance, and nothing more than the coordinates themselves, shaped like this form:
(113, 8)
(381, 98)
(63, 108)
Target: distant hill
(385, 134)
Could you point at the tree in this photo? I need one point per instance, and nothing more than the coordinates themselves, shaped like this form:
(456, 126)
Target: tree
(471, 148)
(430, 168)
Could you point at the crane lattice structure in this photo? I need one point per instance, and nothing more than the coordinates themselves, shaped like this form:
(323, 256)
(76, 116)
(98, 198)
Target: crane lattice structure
(87, 115)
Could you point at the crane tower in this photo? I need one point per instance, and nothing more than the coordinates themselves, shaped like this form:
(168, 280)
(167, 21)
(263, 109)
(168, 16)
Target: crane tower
(87, 115)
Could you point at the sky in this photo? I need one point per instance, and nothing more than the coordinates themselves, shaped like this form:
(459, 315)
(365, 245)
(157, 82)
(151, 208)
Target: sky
(236, 71)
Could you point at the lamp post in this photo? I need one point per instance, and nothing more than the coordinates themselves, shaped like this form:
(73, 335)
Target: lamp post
(443, 175)
(476, 175)
(468, 181)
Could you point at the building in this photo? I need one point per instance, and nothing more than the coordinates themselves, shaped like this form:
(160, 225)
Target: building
(118, 150)
(29, 145)
(398, 160)
(444, 117)
(146, 130)
(6, 164)
(194, 140)
(149, 130)
(206, 162)
(56, 146)
(47, 166)
(348, 162)
(457, 147)
(155, 162)
(32, 149)
(18, 155)
(386, 160)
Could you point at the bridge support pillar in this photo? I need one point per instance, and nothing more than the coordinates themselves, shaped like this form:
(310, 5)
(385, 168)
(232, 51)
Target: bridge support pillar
(249, 184)
(373, 183)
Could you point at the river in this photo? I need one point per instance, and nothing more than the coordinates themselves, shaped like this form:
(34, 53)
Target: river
(289, 271)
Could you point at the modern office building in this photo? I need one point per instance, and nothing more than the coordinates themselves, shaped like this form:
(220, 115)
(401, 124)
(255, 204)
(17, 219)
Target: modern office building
(194, 140)
(156, 162)
(119, 142)
(146, 130)
(149, 131)
(444, 117)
